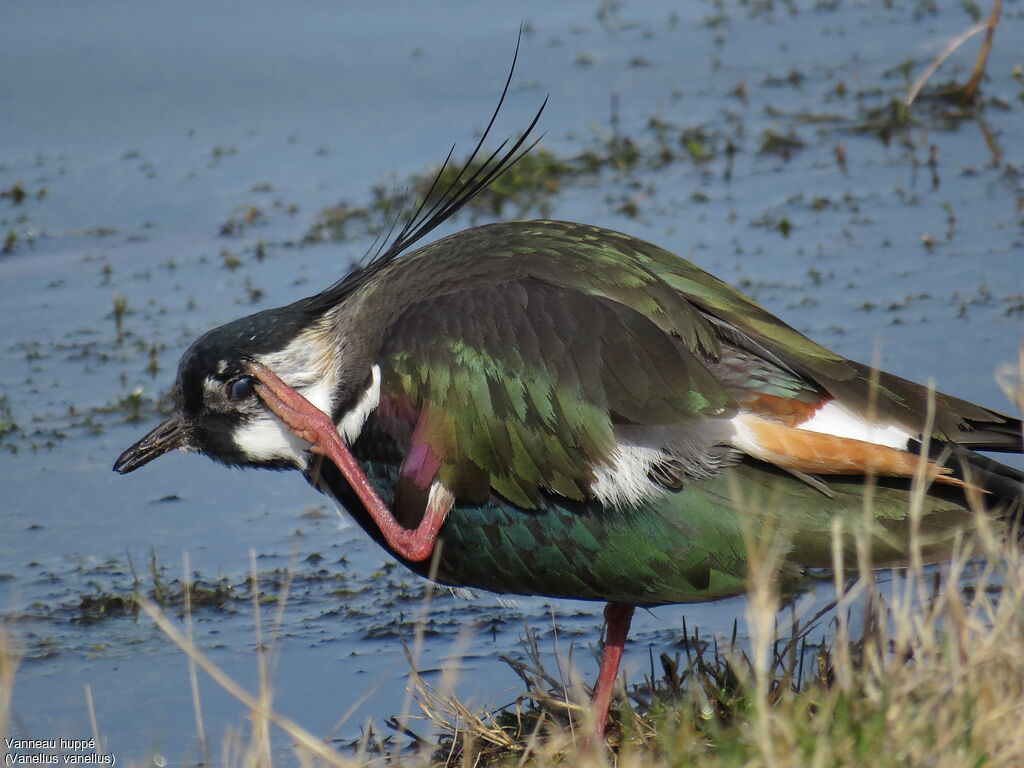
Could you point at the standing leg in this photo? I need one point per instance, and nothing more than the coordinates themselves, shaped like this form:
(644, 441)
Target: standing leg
(617, 617)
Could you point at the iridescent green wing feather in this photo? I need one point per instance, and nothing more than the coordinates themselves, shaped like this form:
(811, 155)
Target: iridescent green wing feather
(519, 385)
(715, 312)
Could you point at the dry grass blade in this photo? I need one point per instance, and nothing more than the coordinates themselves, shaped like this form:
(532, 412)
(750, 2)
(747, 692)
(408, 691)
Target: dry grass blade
(302, 737)
(968, 91)
(193, 677)
(447, 713)
(986, 46)
(94, 727)
(8, 666)
(541, 726)
(946, 52)
(1010, 378)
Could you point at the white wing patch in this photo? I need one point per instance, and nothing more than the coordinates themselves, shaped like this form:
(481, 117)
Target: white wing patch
(743, 436)
(834, 419)
(624, 481)
(351, 423)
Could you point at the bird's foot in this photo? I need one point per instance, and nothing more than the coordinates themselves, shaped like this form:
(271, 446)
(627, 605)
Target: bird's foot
(309, 423)
(305, 420)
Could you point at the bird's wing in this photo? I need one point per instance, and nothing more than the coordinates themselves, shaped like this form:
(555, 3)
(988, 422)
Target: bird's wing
(520, 385)
(875, 395)
(703, 312)
(541, 349)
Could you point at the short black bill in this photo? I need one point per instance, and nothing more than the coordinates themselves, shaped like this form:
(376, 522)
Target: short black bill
(171, 434)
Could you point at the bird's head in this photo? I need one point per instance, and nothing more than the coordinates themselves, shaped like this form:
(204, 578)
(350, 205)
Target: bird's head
(322, 346)
(218, 412)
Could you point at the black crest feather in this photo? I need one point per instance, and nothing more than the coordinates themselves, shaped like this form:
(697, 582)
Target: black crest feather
(437, 207)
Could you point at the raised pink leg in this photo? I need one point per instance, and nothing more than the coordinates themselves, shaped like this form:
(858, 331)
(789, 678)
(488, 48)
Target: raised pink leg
(617, 617)
(309, 423)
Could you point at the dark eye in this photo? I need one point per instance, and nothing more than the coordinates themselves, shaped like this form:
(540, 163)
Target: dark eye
(241, 389)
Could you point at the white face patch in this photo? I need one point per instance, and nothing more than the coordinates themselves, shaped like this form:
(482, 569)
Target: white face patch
(834, 419)
(268, 439)
(624, 481)
(302, 366)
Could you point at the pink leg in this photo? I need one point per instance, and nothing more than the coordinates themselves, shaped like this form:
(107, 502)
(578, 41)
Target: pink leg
(309, 423)
(617, 617)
